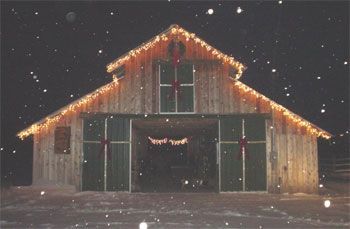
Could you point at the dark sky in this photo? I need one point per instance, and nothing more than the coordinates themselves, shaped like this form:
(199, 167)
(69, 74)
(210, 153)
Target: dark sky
(48, 61)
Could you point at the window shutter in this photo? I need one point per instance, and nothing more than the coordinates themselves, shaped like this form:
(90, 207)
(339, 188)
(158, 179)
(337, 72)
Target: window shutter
(186, 95)
(183, 100)
(167, 77)
(62, 140)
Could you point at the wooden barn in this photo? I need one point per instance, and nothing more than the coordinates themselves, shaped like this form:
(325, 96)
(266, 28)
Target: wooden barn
(175, 117)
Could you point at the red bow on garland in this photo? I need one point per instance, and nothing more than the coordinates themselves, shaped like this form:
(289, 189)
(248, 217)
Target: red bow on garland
(105, 142)
(175, 87)
(243, 142)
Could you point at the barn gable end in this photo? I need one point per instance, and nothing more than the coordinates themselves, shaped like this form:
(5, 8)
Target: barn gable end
(291, 146)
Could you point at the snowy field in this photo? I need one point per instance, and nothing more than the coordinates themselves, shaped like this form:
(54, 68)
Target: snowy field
(51, 207)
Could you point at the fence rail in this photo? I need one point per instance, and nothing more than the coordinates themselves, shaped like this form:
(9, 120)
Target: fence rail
(335, 165)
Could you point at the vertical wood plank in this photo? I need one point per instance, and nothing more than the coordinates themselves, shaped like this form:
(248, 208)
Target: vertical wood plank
(148, 83)
(268, 123)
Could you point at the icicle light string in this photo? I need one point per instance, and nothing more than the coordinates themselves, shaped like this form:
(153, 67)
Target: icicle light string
(35, 128)
(176, 30)
(290, 115)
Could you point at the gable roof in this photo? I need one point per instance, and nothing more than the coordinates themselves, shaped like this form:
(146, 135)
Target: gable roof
(73, 107)
(163, 36)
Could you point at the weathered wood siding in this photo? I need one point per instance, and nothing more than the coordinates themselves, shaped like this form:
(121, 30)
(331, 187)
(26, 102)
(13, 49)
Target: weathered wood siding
(294, 169)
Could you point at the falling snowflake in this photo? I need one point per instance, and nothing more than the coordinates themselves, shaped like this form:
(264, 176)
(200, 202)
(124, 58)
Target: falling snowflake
(14, 151)
(327, 203)
(345, 62)
(143, 225)
(321, 185)
(273, 70)
(210, 11)
(100, 51)
(106, 215)
(45, 90)
(42, 193)
(239, 10)
(323, 110)
(280, 2)
(318, 77)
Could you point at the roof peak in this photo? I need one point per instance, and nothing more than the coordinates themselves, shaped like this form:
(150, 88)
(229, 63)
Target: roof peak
(175, 29)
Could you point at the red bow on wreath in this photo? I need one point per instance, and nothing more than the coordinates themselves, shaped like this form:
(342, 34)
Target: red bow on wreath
(243, 142)
(175, 87)
(105, 142)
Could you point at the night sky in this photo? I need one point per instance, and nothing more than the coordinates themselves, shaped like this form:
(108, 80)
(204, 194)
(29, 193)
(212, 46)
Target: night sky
(52, 53)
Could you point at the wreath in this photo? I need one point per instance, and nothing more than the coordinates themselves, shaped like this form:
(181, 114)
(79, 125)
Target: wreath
(171, 46)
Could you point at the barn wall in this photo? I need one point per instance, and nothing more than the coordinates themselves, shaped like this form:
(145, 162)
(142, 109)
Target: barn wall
(295, 168)
(58, 168)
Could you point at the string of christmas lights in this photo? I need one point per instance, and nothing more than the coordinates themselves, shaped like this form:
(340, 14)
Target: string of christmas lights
(72, 108)
(289, 115)
(166, 140)
(177, 30)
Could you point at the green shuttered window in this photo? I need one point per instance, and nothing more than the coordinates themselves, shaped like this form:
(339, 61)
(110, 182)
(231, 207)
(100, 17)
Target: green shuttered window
(176, 88)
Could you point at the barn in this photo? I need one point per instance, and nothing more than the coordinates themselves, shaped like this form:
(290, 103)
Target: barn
(175, 117)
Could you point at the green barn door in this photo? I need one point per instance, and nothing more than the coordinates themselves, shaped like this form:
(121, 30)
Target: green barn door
(93, 163)
(106, 147)
(255, 164)
(118, 132)
(239, 173)
(230, 167)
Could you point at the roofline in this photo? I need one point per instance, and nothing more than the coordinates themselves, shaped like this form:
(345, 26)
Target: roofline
(276, 106)
(173, 29)
(71, 107)
(163, 36)
(57, 115)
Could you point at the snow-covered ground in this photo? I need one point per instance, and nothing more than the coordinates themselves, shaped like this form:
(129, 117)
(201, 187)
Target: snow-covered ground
(61, 207)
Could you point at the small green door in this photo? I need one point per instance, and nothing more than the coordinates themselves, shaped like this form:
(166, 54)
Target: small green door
(106, 165)
(93, 163)
(231, 168)
(118, 132)
(239, 173)
(255, 164)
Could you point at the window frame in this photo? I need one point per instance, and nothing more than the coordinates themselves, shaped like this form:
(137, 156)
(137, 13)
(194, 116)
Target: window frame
(181, 85)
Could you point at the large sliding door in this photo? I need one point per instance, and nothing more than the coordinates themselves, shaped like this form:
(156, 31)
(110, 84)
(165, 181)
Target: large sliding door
(242, 160)
(106, 150)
